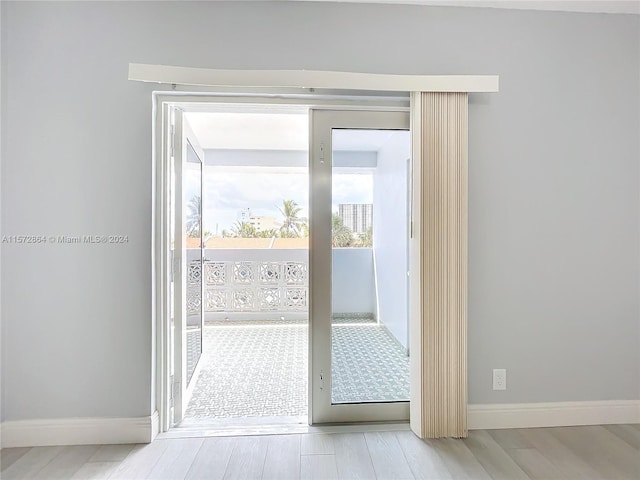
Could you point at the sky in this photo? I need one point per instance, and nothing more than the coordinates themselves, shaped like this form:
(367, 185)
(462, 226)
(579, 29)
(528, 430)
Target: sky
(227, 193)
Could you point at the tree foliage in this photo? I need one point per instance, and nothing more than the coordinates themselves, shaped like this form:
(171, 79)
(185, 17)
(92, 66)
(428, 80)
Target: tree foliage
(243, 230)
(293, 225)
(341, 235)
(194, 215)
(366, 238)
(292, 222)
(272, 232)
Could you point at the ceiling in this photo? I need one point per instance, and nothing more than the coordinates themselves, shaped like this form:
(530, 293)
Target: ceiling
(250, 131)
(273, 131)
(590, 6)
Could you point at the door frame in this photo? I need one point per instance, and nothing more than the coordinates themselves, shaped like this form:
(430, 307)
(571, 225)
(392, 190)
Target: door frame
(160, 233)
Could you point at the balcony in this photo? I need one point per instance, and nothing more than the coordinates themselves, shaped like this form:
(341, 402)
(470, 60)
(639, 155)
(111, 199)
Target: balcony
(255, 349)
(256, 335)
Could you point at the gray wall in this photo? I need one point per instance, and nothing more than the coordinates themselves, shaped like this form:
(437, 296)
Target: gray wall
(554, 204)
(390, 234)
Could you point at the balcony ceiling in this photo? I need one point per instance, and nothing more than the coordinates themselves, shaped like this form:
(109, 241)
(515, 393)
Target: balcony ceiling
(250, 131)
(273, 131)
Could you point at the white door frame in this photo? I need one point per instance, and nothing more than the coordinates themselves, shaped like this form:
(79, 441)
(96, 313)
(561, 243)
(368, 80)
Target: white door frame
(162, 101)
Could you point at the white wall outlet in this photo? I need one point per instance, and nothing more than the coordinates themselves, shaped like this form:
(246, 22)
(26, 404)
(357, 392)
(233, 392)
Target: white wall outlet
(499, 379)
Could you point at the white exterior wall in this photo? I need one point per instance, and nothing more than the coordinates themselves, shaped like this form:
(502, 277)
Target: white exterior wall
(390, 234)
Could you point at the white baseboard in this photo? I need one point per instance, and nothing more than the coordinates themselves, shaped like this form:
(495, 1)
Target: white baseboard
(79, 431)
(100, 431)
(557, 414)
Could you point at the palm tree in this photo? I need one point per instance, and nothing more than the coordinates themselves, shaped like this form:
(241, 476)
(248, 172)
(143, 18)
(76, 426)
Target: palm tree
(194, 215)
(341, 235)
(268, 233)
(243, 230)
(292, 223)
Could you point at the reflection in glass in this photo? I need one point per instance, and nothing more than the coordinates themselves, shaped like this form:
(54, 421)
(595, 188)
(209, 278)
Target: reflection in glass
(193, 241)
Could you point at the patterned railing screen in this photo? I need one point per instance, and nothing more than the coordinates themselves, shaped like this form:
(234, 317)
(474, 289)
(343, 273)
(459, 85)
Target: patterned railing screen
(245, 286)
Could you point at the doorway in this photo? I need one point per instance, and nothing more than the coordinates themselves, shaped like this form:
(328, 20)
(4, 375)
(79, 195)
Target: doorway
(242, 224)
(345, 297)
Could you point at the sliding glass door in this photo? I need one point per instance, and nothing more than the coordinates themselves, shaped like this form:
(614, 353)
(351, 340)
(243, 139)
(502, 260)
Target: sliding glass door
(360, 180)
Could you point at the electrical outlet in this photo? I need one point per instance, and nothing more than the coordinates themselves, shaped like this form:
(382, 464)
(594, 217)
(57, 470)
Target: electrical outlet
(499, 379)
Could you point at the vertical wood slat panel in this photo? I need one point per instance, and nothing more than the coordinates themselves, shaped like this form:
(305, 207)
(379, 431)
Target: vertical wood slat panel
(440, 144)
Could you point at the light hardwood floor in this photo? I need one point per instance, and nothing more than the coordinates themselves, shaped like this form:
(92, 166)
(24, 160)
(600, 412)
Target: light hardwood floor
(609, 452)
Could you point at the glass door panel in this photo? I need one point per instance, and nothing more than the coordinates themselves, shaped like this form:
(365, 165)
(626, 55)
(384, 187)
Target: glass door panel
(369, 321)
(187, 262)
(359, 268)
(192, 231)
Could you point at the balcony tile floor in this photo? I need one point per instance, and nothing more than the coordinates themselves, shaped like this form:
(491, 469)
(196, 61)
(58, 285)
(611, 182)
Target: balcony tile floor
(252, 369)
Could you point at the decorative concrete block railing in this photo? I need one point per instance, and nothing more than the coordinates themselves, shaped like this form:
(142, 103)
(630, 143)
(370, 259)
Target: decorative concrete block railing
(265, 283)
(255, 286)
(249, 280)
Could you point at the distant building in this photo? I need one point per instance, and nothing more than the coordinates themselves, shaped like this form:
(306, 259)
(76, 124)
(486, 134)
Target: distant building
(243, 215)
(357, 216)
(262, 224)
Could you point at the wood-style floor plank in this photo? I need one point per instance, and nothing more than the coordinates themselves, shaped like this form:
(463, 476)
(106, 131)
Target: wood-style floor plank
(510, 438)
(113, 453)
(247, 458)
(8, 456)
(95, 471)
(283, 458)
(562, 453)
(459, 459)
(387, 456)
(569, 464)
(424, 461)
(318, 467)
(141, 461)
(64, 465)
(535, 465)
(627, 433)
(317, 444)
(212, 459)
(352, 456)
(605, 452)
(31, 463)
(176, 460)
(498, 464)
